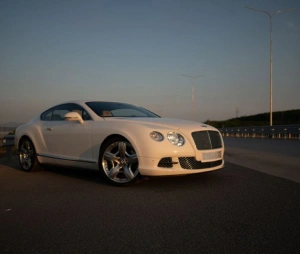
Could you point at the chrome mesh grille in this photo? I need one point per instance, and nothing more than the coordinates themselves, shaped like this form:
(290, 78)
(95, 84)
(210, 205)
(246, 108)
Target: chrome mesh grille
(165, 163)
(215, 139)
(206, 140)
(192, 163)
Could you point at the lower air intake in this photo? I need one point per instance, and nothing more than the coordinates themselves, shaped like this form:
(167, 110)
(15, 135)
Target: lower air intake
(191, 163)
(165, 163)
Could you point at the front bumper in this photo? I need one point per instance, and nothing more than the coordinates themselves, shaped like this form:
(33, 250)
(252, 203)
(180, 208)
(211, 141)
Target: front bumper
(178, 166)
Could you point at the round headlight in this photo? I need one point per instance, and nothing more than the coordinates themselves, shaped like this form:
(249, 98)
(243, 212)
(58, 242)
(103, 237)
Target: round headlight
(175, 138)
(157, 136)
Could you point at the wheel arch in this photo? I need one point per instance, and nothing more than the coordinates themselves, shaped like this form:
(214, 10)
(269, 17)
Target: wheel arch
(21, 139)
(24, 157)
(124, 136)
(110, 137)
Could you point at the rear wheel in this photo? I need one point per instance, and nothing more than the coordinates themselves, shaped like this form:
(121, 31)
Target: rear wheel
(27, 156)
(118, 162)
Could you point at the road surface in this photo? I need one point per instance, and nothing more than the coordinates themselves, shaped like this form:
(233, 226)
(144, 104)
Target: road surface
(232, 210)
(272, 156)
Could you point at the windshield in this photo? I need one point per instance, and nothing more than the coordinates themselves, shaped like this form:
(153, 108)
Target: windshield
(117, 109)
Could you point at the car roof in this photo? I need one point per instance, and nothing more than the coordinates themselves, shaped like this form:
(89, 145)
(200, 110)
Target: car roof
(83, 102)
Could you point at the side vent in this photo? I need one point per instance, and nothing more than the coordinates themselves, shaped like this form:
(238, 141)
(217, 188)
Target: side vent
(165, 163)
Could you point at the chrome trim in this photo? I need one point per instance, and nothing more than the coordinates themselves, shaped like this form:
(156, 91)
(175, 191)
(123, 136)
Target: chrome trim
(66, 159)
(208, 134)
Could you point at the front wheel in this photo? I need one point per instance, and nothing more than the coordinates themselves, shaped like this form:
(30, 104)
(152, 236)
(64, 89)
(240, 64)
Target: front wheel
(27, 156)
(118, 162)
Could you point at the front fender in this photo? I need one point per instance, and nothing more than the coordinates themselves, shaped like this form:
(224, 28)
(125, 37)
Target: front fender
(143, 144)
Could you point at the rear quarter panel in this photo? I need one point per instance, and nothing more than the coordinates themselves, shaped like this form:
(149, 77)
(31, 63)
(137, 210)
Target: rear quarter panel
(33, 131)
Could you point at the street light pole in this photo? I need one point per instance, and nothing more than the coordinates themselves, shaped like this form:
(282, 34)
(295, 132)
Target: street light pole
(193, 99)
(271, 15)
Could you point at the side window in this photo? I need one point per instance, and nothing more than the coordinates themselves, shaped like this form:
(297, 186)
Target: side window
(57, 113)
(85, 116)
(46, 116)
(128, 112)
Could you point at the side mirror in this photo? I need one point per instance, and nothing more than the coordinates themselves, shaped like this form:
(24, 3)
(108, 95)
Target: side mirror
(73, 116)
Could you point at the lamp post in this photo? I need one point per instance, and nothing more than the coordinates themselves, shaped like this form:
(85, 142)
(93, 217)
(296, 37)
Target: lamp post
(193, 100)
(271, 15)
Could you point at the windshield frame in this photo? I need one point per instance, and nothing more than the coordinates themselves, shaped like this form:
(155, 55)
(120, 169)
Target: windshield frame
(108, 109)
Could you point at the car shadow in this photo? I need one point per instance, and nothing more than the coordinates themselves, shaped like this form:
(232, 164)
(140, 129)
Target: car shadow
(78, 173)
(10, 162)
(168, 183)
(191, 181)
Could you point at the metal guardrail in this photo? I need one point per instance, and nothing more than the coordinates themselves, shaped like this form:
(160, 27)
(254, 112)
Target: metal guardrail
(8, 142)
(276, 132)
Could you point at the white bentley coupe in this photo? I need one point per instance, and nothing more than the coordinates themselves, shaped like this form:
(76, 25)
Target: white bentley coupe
(122, 140)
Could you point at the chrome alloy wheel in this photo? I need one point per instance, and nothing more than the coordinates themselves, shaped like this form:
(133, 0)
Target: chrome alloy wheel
(120, 162)
(26, 155)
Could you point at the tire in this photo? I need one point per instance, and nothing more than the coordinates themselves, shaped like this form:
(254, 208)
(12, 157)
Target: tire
(27, 156)
(118, 162)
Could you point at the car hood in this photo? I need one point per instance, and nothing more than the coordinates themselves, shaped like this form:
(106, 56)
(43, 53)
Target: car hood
(170, 123)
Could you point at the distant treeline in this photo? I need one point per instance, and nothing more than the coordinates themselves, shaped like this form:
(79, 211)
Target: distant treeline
(279, 118)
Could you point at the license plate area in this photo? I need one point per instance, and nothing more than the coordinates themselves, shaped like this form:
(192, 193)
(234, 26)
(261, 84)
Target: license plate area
(211, 156)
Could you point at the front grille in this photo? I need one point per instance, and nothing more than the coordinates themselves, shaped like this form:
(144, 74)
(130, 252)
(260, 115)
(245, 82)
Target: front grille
(206, 140)
(165, 163)
(191, 163)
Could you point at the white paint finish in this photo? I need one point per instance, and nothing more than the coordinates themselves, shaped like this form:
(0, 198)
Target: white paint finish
(68, 139)
(71, 140)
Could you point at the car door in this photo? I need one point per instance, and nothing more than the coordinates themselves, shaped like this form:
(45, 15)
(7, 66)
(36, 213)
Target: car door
(67, 140)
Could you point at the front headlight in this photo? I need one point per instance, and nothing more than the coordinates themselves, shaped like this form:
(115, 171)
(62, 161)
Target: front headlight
(175, 138)
(157, 136)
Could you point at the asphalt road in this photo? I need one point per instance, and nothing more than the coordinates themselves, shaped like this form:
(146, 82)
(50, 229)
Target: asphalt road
(277, 157)
(281, 147)
(233, 210)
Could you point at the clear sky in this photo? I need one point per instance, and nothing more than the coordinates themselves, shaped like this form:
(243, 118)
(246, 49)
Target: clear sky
(135, 51)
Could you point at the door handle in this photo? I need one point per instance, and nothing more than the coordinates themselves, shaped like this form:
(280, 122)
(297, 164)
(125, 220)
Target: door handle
(49, 129)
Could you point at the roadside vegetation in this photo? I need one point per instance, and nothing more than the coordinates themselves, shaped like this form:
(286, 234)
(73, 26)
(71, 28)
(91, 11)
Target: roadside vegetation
(279, 118)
